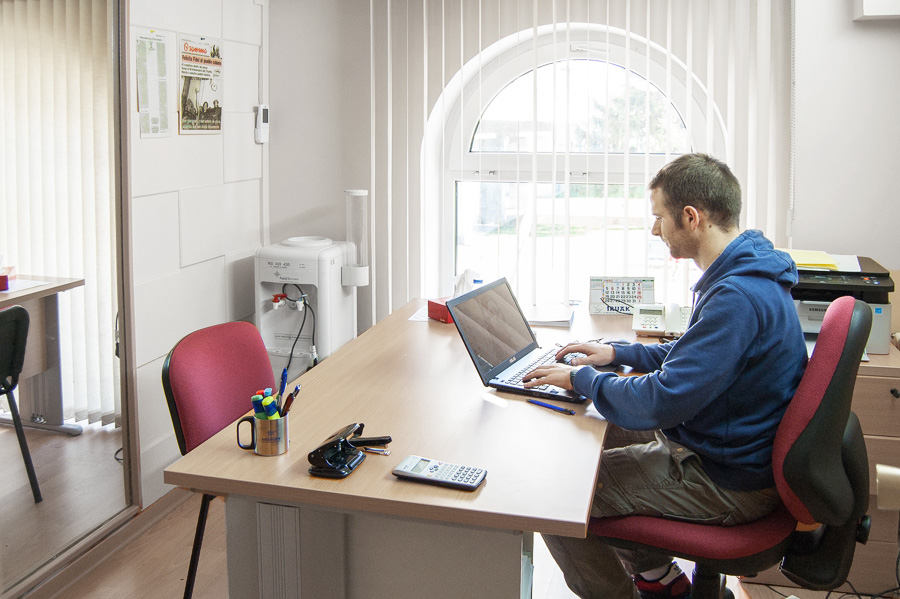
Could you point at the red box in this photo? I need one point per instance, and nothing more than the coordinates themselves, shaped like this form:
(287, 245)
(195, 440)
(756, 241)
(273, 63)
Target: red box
(7, 273)
(437, 309)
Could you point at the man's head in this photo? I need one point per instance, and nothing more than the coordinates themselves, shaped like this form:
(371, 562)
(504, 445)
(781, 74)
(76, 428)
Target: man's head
(703, 182)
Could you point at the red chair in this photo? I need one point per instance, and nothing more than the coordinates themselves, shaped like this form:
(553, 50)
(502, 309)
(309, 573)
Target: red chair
(821, 472)
(13, 336)
(209, 378)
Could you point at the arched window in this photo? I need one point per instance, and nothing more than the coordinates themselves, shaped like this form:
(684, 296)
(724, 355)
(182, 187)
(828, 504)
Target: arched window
(547, 147)
(581, 106)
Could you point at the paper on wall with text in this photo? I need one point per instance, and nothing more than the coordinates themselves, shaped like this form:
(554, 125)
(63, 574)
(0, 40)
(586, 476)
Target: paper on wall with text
(152, 74)
(201, 97)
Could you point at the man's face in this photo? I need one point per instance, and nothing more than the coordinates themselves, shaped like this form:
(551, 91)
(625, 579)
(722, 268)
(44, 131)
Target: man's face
(674, 234)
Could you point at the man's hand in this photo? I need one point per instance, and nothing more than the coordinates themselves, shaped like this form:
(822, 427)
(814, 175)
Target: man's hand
(551, 374)
(595, 354)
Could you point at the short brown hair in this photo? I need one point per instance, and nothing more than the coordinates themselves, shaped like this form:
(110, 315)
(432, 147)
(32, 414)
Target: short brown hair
(704, 182)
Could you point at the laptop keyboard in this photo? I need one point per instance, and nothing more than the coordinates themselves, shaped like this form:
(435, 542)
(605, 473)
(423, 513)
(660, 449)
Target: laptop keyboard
(548, 358)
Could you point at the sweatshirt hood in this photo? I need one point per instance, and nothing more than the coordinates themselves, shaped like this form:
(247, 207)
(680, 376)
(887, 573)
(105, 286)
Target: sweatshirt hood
(750, 254)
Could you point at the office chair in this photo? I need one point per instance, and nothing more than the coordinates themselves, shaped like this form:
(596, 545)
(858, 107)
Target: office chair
(13, 336)
(209, 378)
(821, 472)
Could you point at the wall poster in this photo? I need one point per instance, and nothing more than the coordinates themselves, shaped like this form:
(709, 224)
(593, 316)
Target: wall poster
(152, 69)
(200, 109)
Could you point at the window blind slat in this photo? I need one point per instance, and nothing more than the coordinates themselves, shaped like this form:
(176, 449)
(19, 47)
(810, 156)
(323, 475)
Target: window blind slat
(704, 56)
(57, 155)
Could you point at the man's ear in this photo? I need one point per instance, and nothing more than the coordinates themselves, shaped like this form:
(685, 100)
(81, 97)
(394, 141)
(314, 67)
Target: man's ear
(690, 216)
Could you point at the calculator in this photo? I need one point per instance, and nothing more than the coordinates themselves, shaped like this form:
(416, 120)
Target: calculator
(427, 470)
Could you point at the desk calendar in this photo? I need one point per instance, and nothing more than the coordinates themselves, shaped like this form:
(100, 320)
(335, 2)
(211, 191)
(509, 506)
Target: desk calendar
(618, 295)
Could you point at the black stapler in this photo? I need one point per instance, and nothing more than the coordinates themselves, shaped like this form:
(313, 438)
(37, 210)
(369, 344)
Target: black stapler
(340, 454)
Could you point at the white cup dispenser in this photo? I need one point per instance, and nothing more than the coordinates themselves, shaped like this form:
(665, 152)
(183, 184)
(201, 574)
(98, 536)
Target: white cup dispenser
(356, 272)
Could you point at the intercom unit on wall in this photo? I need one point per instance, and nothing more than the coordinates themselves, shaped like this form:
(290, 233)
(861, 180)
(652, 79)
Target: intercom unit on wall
(261, 132)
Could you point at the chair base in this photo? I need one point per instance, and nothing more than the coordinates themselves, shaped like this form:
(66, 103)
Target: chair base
(708, 584)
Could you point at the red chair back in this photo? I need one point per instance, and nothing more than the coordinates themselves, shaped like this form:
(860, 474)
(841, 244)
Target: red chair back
(209, 378)
(814, 478)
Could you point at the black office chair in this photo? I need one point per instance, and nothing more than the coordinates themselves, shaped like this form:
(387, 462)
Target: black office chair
(13, 335)
(821, 471)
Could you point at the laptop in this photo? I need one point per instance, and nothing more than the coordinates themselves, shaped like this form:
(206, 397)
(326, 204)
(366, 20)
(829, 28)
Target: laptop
(500, 341)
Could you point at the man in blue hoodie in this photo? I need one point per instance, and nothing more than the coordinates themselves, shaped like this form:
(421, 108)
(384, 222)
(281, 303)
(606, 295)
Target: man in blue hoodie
(691, 439)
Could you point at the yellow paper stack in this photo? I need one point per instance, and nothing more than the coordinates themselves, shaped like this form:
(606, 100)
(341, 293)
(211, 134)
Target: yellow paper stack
(813, 259)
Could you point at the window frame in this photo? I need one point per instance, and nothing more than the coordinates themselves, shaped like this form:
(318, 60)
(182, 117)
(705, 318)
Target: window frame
(452, 123)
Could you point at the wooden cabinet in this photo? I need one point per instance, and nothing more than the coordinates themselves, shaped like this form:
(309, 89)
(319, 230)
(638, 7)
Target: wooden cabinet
(876, 401)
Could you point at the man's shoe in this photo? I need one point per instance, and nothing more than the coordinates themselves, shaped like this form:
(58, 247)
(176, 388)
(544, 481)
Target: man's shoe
(673, 585)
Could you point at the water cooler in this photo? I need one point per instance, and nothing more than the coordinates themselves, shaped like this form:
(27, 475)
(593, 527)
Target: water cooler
(306, 292)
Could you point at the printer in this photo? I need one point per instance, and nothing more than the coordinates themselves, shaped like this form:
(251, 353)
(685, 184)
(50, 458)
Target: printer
(871, 283)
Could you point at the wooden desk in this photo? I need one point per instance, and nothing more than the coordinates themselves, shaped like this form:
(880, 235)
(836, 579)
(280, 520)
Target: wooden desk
(40, 382)
(372, 535)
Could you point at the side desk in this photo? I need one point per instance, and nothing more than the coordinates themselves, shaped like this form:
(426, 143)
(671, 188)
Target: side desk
(372, 535)
(40, 382)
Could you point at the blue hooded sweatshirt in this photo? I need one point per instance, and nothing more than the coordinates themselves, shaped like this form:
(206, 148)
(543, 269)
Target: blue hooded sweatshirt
(723, 387)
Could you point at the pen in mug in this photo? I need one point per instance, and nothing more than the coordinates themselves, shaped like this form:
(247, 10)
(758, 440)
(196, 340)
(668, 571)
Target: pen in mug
(551, 406)
(289, 401)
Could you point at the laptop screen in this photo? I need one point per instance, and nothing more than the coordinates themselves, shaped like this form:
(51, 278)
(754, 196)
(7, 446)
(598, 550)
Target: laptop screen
(493, 327)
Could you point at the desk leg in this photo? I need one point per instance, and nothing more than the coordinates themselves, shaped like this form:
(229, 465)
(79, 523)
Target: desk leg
(41, 394)
(279, 551)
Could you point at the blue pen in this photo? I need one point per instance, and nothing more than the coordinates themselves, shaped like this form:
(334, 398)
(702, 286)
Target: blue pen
(283, 382)
(551, 406)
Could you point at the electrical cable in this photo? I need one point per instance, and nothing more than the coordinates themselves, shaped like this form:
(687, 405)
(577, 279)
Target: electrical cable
(895, 589)
(887, 593)
(315, 355)
(302, 322)
(309, 309)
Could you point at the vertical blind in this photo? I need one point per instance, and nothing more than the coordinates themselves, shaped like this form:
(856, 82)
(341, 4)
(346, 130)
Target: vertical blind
(57, 179)
(722, 66)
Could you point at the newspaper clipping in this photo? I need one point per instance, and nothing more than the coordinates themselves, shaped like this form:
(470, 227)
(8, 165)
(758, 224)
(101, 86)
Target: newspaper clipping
(153, 81)
(201, 85)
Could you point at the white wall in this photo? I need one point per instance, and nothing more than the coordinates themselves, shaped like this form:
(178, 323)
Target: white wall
(197, 211)
(847, 132)
(320, 121)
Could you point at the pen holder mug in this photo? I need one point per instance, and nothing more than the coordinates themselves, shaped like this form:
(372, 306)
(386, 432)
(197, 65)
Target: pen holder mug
(267, 437)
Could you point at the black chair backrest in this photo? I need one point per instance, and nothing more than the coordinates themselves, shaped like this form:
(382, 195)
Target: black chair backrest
(820, 459)
(809, 467)
(13, 335)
